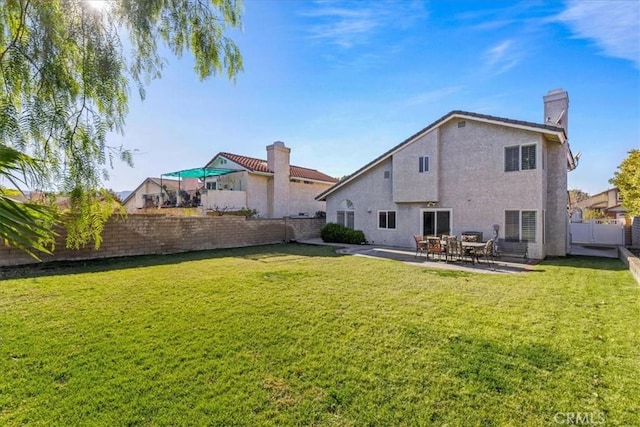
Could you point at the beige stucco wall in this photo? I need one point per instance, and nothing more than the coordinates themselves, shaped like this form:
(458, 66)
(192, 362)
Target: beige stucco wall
(476, 187)
(224, 200)
(471, 182)
(557, 199)
(302, 198)
(369, 194)
(136, 201)
(408, 184)
(257, 197)
(278, 161)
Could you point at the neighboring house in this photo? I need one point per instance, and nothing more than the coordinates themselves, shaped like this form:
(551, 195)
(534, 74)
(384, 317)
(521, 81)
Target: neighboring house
(149, 195)
(272, 187)
(466, 172)
(607, 202)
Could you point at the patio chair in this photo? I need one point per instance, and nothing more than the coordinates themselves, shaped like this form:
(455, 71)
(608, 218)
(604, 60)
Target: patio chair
(462, 251)
(434, 246)
(486, 253)
(453, 252)
(421, 245)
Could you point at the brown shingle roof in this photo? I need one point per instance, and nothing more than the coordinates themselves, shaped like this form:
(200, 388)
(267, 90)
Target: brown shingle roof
(259, 165)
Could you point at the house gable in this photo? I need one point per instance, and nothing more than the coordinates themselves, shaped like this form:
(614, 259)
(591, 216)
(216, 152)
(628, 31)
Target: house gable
(552, 133)
(416, 169)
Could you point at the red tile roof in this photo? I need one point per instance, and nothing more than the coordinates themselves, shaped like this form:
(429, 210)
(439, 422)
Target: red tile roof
(259, 165)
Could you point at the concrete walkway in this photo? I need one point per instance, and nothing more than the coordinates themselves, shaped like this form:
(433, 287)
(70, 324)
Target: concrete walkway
(408, 256)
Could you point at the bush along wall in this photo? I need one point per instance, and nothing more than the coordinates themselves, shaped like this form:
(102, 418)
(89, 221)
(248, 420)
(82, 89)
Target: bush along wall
(336, 233)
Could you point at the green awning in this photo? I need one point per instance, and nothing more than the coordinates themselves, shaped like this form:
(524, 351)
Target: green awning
(200, 172)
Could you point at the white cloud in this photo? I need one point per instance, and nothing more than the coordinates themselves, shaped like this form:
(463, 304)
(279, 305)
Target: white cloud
(432, 96)
(345, 27)
(502, 57)
(354, 24)
(613, 25)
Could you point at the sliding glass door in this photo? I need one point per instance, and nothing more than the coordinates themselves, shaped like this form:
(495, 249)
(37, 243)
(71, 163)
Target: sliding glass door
(436, 222)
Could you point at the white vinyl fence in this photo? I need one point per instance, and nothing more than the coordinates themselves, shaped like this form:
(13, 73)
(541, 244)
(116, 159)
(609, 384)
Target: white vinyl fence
(598, 231)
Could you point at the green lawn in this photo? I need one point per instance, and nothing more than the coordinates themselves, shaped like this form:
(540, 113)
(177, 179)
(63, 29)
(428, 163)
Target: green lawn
(295, 335)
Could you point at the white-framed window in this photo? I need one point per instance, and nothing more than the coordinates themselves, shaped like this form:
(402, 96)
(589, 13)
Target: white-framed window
(520, 157)
(423, 164)
(520, 226)
(387, 220)
(345, 214)
(211, 185)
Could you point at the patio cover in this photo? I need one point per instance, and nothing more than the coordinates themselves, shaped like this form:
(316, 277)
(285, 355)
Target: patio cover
(200, 172)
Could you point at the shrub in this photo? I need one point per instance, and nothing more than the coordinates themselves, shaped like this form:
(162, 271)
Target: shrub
(336, 233)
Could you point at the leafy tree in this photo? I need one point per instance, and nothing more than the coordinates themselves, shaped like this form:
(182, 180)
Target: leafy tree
(576, 196)
(627, 179)
(27, 226)
(594, 214)
(67, 68)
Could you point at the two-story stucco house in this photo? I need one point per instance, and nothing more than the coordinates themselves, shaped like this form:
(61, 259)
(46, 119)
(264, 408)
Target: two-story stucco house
(466, 172)
(229, 182)
(607, 202)
(273, 187)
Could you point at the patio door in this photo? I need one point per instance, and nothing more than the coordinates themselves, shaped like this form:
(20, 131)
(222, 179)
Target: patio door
(436, 222)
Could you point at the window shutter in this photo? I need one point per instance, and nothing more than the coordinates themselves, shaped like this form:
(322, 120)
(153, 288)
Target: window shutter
(528, 157)
(511, 159)
(512, 225)
(529, 226)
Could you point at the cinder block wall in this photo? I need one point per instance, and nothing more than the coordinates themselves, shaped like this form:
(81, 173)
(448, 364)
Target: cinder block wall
(160, 234)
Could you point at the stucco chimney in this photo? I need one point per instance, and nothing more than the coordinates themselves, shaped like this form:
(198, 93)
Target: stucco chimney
(556, 109)
(278, 162)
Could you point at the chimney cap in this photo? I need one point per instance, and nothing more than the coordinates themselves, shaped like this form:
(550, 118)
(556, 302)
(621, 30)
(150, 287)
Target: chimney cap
(279, 144)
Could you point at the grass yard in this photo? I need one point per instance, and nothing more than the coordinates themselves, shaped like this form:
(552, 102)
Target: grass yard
(295, 335)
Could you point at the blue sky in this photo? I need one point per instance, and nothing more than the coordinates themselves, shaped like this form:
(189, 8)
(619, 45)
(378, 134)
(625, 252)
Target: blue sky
(342, 82)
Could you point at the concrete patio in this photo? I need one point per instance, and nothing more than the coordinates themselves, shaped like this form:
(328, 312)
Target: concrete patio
(408, 256)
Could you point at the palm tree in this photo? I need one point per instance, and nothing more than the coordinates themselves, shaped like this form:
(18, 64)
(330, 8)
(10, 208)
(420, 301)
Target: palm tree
(28, 226)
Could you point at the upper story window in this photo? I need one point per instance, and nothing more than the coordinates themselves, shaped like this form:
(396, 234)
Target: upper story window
(387, 174)
(423, 164)
(211, 185)
(520, 157)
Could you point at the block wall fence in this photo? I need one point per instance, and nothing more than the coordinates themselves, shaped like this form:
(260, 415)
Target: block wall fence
(162, 234)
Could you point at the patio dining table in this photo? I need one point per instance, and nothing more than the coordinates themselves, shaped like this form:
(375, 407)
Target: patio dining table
(473, 246)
